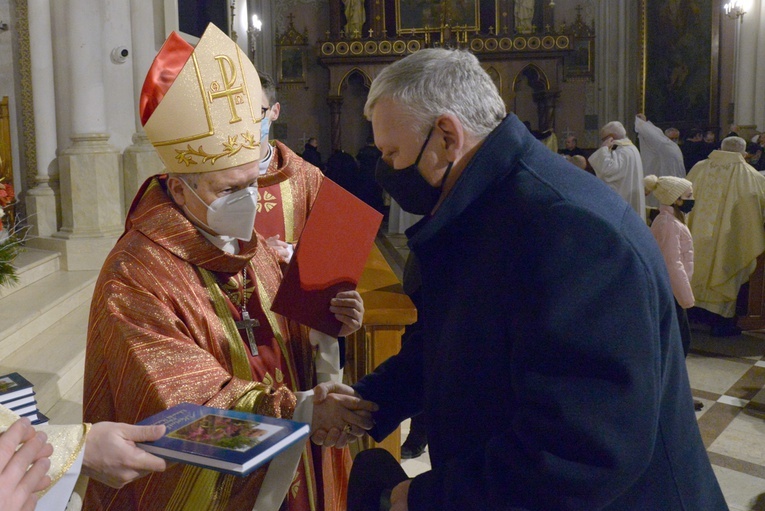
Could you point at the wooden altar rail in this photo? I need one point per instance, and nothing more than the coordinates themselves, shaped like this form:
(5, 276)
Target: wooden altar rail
(755, 316)
(387, 311)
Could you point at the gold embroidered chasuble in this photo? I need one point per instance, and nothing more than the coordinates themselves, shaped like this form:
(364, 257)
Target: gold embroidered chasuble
(162, 332)
(726, 225)
(285, 194)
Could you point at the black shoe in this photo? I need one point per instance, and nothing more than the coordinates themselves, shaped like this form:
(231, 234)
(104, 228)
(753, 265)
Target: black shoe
(413, 446)
(697, 405)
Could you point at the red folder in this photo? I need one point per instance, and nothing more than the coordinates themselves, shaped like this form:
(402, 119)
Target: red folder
(329, 257)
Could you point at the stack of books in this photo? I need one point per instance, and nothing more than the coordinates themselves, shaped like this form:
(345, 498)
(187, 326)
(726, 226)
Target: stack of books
(18, 395)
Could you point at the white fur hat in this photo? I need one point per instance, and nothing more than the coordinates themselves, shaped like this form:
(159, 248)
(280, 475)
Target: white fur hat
(667, 189)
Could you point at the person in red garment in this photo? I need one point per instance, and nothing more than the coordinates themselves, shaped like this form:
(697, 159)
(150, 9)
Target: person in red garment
(181, 310)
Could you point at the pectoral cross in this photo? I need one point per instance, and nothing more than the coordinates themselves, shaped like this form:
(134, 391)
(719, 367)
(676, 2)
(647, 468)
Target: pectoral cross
(247, 324)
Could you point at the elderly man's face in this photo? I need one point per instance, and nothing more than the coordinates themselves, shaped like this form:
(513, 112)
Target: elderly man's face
(213, 185)
(400, 143)
(570, 143)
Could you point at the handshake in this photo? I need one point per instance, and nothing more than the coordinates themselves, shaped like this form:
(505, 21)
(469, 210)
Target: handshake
(340, 415)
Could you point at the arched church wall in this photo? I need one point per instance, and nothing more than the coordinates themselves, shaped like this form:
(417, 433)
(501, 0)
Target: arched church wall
(305, 112)
(355, 126)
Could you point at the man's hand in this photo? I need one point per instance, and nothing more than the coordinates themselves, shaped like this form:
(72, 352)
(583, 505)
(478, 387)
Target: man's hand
(641, 116)
(607, 142)
(282, 248)
(111, 456)
(19, 481)
(339, 415)
(399, 496)
(348, 308)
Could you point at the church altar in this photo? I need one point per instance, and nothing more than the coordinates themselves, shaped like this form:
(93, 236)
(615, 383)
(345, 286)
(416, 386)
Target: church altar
(387, 312)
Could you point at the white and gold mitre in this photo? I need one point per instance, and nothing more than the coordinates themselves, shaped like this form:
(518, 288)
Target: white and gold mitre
(200, 106)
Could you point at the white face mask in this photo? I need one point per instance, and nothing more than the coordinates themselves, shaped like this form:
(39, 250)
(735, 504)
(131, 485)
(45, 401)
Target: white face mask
(265, 128)
(232, 215)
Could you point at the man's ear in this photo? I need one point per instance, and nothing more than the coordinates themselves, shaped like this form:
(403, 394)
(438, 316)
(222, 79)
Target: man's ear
(454, 135)
(177, 190)
(275, 109)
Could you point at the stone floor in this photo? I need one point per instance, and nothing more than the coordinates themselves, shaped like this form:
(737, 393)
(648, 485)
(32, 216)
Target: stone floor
(728, 375)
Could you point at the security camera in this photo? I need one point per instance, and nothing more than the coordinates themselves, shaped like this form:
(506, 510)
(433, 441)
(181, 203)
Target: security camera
(120, 55)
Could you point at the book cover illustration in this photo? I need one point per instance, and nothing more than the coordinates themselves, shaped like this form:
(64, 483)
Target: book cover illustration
(225, 432)
(14, 386)
(224, 440)
(330, 257)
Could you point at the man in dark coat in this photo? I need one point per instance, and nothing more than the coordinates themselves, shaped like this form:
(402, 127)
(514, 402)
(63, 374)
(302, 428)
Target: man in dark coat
(311, 153)
(550, 365)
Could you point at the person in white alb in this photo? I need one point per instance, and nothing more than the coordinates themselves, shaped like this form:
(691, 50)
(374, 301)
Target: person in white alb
(619, 165)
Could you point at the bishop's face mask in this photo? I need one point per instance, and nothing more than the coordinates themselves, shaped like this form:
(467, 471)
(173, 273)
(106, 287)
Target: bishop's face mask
(686, 206)
(231, 215)
(407, 186)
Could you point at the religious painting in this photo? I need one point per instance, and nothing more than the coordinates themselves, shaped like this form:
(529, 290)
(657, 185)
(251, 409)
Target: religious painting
(580, 63)
(291, 63)
(678, 56)
(413, 16)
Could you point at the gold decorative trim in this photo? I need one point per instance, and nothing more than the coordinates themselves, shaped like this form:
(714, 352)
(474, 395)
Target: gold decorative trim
(476, 44)
(327, 48)
(288, 211)
(370, 47)
(231, 147)
(357, 47)
(239, 362)
(21, 15)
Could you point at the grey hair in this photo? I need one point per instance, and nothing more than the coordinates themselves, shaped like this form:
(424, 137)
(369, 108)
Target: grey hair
(733, 145)
(671, 131)
(615, 129)
(436, 81)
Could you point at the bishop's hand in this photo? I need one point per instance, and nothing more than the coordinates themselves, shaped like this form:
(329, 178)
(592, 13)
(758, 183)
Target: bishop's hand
(348, 308)
(340, 415)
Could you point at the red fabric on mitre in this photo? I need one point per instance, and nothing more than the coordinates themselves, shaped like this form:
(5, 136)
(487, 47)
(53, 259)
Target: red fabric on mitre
(164, 70)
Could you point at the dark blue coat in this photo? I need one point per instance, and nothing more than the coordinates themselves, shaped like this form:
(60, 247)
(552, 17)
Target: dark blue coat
(550, 364)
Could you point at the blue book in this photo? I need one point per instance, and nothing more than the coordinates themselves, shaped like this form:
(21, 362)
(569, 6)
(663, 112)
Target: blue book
(15, 403)
(14, 386)
(224, 440)
(41, 419)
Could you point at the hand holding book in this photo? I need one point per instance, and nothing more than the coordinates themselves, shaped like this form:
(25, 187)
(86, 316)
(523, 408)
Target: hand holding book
(111, 456)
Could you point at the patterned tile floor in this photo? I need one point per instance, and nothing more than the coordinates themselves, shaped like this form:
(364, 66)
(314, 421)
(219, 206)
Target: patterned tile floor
(727, 374)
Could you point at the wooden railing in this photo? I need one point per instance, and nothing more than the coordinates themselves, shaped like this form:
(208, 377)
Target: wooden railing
(387, 312)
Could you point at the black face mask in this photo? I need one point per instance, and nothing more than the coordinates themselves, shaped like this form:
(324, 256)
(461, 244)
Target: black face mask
(407, 186)
(686, 206)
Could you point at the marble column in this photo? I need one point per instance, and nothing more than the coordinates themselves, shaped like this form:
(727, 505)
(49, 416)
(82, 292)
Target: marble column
(140, 160)
(41, 200)
(750, 69)
(616, 61)
(91, 184)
